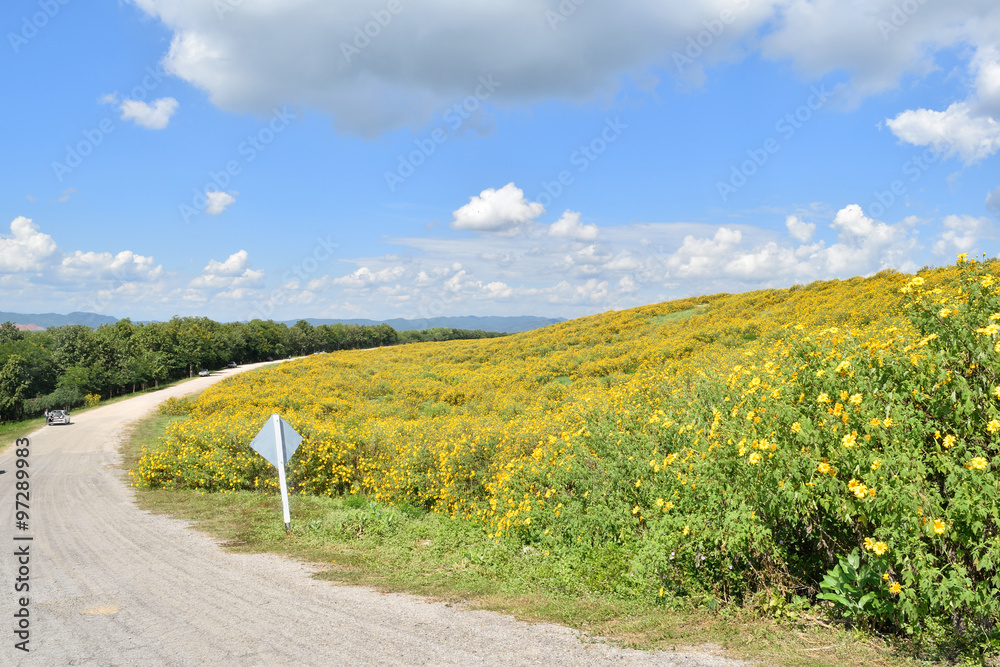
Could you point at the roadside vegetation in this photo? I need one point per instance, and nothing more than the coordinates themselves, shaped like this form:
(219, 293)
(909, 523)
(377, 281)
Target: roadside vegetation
(826, 455)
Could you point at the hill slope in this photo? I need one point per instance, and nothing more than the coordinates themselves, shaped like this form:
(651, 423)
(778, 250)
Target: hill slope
(722, 445)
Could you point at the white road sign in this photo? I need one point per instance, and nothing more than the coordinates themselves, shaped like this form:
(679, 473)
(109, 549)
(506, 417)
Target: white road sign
(276, 442)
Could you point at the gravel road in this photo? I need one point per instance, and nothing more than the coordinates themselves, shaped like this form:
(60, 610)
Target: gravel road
(113, 585)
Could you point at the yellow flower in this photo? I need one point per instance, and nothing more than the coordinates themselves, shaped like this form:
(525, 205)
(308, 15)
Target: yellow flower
(977, 463)
(895, 588)
(823, 398)
(754, 458)
(659, 502)
(880, 548)
(939, 526)
(887, 422)
(962, 257)
(949, 441)
(824, 468)
(990, 330)
(875, 422)
(993, 426)
(944, 312)
(856, 399)
(996, 392)
(876, 464)
(796, 427)
(850, 440)
(917, 282)
(687, 530)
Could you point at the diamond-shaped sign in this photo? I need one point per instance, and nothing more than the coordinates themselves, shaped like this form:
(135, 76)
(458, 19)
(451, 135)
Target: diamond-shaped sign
(264, 443)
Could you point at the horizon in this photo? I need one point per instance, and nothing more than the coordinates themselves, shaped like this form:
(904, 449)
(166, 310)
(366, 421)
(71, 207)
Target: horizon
(386, 161)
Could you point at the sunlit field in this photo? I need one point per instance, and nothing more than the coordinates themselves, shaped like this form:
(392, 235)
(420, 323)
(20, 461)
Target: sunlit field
(835, 444)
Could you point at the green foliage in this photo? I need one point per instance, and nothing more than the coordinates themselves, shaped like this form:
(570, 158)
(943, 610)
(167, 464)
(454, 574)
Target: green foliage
(856, 588)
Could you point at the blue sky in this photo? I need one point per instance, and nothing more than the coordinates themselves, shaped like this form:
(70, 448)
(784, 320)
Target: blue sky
(308, 158)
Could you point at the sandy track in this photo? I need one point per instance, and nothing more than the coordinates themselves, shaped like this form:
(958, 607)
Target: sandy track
(113, 585)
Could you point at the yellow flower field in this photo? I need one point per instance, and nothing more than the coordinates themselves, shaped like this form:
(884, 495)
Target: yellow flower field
(721, 443)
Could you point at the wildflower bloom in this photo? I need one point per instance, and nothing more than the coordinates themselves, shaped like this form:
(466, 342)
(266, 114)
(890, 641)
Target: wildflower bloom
(824, 398)
(895, 588)
(687, 530)
(977, 463)
(944, 312)
(993, 426)
(754, 458)
(824, 468)
(796, 427)
(949, 441)
(939, 526)
(856, 399)
(850, 439)
(876, 464)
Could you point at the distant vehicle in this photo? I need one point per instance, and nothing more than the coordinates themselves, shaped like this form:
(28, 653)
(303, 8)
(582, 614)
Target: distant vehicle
(58, 417)
(204, 372)
(232, 364)
(269, 359)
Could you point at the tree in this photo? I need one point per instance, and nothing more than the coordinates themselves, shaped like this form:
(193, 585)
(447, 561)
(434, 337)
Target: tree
(14, 384)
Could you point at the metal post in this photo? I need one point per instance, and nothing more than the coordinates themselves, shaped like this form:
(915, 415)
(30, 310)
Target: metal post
(279, 443)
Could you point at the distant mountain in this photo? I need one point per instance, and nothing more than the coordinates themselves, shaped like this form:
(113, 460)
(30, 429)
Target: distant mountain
(472, 322)
(49, 320)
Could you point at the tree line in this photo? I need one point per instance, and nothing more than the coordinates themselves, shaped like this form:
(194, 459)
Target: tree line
(60, 367)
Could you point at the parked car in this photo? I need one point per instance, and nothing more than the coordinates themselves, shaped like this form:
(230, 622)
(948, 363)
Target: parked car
(58, 417)
(232, 364)
(204, 372)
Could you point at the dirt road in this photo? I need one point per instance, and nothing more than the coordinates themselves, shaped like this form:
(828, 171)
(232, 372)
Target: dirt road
(112, 585)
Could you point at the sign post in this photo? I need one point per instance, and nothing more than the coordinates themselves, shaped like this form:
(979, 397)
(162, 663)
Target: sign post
(276, 442)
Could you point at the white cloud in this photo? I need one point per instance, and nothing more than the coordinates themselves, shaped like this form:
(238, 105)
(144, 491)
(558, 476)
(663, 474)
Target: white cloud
(234, 265)
(26, 249)
(569, 226)
(954, 131)
(216, 201)
(263, 53)
(799, 230)
(700, 257)
(120, 267)
(152, 117)
(502, 210)
(962, 233)
(64, 197)
(365, 277)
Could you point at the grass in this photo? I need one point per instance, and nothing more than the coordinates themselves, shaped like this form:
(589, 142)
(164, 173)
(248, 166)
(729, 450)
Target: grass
(405, 549)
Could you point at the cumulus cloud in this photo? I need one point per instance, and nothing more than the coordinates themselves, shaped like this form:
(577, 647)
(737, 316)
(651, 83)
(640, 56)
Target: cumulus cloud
(232, 274)
(800, 231)
(955, 131)
(502, 210)
(962, 233)
(26, 249)
(234, 265)
(365, 277)
(120, 267)
(569, 226)
(153, 116)
(263, 53)
(216, 201)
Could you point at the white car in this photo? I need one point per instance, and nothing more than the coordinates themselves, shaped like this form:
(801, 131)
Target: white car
(204, 372)
(58, 417)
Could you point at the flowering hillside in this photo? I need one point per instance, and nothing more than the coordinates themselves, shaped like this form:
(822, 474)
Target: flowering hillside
(838, 440)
